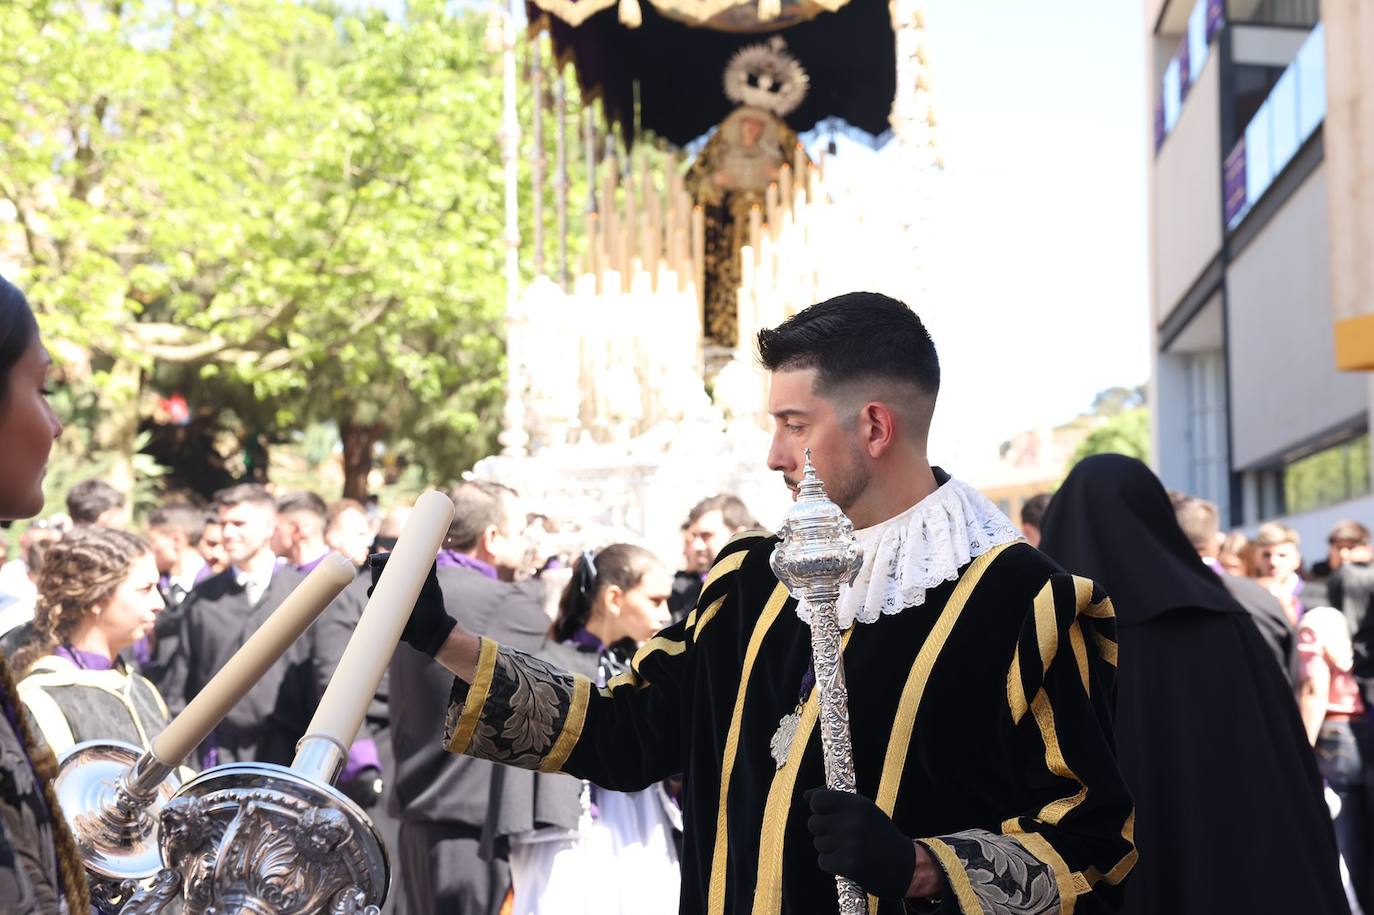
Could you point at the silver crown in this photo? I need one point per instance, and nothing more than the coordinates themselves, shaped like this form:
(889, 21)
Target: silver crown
(766, 76)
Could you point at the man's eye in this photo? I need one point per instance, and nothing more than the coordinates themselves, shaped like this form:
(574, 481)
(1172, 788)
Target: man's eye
(792, 428)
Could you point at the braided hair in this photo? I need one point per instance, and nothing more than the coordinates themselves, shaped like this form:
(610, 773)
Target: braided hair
(79, 571)
(621, 564)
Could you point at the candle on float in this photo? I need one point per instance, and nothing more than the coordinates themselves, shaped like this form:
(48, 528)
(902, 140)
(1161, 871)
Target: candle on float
(301, 607)
(340, 712)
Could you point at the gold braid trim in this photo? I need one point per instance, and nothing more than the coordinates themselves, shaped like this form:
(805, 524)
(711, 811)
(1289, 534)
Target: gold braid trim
(73, 871)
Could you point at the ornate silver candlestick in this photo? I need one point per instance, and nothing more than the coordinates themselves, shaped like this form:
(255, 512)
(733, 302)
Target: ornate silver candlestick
(817, 555)
(256, 838)
(111, 794)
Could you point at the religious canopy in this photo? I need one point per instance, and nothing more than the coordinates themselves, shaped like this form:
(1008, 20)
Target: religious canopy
(849, 55)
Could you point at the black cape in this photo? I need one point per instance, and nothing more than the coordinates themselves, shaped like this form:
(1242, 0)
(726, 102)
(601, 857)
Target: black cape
(1230, 816)
(1006, 774)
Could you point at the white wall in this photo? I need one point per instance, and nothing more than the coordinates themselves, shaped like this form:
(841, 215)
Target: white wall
(1285, 389)
(1187, 191)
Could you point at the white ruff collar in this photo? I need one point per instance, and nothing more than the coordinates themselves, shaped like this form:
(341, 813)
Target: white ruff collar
(923, 547)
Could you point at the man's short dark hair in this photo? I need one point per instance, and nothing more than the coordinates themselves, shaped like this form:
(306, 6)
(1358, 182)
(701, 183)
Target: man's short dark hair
(89, 499)
(478, 505)
(302, 500)
(732, 510)
(182, 517)
(1033, 509)
(254, 493)
(1348, 531)
(855, 337)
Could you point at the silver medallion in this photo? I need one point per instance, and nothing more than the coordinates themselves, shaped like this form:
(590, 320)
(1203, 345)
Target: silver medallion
(781, 744)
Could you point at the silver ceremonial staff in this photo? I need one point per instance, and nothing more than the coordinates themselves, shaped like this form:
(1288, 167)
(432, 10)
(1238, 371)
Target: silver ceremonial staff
(817, 555)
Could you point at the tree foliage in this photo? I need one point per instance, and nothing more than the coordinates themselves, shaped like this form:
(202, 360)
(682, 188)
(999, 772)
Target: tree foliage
(300, 205)
(1127, 432)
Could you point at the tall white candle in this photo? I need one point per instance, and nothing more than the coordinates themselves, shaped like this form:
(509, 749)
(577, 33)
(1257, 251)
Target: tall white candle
(341, 709)
(252, 660)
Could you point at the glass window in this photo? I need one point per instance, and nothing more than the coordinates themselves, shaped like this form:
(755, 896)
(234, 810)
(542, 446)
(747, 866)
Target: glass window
(1197, 41)
(1311, 68)
(1329, 476)
(1259, 169)
(1283, 106)
(1172, 100)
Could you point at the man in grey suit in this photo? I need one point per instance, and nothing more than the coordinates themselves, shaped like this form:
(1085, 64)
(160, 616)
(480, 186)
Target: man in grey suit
(442, 798)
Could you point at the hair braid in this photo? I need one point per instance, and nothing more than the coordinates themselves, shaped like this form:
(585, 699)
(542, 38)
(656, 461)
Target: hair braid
(79, 571)
(70, 866)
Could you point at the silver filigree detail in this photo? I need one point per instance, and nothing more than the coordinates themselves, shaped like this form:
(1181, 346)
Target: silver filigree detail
(165, 887)
(817, 554)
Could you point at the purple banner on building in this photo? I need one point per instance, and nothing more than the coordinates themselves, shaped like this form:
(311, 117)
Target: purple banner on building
(1216, 17)
(1233, 184)
(1160, 132)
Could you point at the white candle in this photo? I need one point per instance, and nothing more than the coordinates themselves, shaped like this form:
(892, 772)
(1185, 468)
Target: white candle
(341, 709)
(252, 660)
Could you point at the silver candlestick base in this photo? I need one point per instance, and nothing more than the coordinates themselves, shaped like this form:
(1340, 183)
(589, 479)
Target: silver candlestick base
(817, 555)
(111, 794)
(251, 838)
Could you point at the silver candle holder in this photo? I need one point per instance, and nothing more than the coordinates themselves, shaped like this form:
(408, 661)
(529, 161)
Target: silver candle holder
(256, 838)
(111, 794)
(817, 555)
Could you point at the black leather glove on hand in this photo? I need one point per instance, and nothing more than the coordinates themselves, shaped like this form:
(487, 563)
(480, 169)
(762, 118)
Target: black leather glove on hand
(364, 788)
(857, 840)
(429, 623)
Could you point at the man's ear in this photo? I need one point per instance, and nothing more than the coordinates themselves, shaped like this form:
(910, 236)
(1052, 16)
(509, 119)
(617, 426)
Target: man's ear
(485, 542)
(877, 428)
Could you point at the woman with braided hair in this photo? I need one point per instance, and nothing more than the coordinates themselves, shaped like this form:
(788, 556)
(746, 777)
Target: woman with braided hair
(608, 851)
(97, 596)
(40, 869)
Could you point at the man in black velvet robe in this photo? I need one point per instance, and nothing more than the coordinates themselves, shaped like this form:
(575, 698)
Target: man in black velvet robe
(981, 678)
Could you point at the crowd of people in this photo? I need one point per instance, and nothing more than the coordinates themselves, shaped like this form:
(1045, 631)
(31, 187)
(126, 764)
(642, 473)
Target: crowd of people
(1310, 618)
(111, 626)
(1121, 707)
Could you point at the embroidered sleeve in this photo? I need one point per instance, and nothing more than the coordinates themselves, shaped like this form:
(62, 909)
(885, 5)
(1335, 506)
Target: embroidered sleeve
(524, 712)
(995, 874)
(519, 710)
(1071, 845)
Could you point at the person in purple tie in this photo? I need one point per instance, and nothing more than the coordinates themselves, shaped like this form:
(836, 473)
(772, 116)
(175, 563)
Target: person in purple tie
(97, 596)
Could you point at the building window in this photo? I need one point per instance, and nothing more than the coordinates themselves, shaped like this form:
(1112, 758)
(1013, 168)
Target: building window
(1208, 458)
(1327, 477)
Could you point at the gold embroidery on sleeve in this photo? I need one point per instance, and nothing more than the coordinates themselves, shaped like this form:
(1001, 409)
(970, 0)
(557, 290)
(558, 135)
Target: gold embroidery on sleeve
(572, 727)
(476, 698)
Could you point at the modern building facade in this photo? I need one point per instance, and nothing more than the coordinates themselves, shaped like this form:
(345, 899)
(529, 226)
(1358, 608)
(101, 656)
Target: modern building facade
(1252, 407)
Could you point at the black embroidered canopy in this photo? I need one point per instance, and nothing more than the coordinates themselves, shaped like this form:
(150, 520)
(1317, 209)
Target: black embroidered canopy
(849, 55)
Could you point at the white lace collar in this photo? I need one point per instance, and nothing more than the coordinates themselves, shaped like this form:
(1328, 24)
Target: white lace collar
(918, 550)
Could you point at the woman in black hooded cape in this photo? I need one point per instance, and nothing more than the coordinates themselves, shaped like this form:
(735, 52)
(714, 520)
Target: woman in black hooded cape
(1229, 809)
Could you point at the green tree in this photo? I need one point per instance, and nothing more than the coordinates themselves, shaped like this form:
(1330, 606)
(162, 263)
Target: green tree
(304, 206)
(1128, 432)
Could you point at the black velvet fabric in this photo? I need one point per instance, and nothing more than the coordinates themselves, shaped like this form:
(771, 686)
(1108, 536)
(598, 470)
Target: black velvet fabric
(970, 764)
(850, 56)
(1230, 816)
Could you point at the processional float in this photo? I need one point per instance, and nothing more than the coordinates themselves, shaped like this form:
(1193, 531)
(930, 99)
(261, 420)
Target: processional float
(253, 837)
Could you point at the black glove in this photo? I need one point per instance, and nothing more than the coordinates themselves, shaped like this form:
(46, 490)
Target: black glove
(429, 623)
(857, 840)
(364, 788)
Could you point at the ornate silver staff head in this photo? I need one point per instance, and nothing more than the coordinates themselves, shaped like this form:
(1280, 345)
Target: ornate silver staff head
(818, 552)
